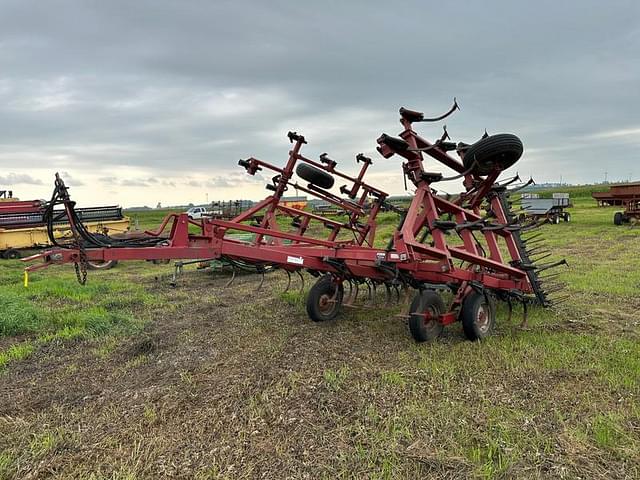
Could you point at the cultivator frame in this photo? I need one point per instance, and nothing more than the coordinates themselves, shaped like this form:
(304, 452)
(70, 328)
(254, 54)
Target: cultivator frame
(419, 255)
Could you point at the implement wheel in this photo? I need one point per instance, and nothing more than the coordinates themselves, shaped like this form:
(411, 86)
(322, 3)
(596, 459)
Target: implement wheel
(96, 265)
(11, 254)
(425, 309)
(314, 175)
(324, 299)
(478, 316)
(618, 218)
(495, 151)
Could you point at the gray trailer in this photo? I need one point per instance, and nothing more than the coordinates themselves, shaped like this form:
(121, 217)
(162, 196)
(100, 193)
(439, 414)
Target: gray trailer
(553, 209)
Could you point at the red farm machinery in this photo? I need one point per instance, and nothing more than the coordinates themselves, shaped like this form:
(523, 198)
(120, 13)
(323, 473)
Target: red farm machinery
(470, 249)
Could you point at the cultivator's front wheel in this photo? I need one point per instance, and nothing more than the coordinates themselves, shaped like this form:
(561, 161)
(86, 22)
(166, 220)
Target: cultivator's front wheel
(478, 316)
(424, 316)
(324, 299)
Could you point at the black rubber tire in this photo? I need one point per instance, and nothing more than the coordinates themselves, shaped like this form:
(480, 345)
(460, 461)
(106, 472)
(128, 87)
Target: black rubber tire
(421, 330)
(618, 218)
(474, 305)
(555, 219)
(11, 254)
(314, 175)
(567, 217)
(109, 264)
(319, 308)
(495, 151)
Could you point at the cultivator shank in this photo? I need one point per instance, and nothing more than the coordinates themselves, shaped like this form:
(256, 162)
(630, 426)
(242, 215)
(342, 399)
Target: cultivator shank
(471, 246)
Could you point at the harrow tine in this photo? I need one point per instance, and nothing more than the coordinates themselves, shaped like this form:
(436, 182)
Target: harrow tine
(560, 300)
(536, 235)
(549, 276)
(397, 290)
(559, 288)
(177, 271)
(288, 281)
(525, 315)
(353, 294)
(510, 305)
(261, 282)
(387, 300)
(301, 280)
(540, 256)
(369, 293)
(534, 243)
(536, 250)
(233, 277)
(547, 266)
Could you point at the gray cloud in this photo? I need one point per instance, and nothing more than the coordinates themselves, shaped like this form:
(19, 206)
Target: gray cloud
(19, 179)
(71, 180)
(185, 89)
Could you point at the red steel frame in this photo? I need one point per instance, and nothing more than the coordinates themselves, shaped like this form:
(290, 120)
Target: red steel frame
(355, 258)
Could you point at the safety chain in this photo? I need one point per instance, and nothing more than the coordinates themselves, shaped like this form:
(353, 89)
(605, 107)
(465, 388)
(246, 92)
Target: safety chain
(81, 266)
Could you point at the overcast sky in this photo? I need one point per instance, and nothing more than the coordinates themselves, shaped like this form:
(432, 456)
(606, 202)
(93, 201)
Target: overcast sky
(146, 101)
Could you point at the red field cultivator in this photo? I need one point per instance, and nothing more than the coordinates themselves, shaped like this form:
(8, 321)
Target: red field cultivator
(471, 246)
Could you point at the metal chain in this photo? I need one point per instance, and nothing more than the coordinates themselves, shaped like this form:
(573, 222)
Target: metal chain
(81, 266)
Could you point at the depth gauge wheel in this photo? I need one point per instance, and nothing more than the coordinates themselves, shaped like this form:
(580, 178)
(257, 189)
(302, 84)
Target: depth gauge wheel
(324, 299)
(567, 217)
(478, 316)
(425, 309)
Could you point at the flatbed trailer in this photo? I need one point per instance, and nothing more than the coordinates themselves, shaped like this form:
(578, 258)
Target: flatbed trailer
(549, 209)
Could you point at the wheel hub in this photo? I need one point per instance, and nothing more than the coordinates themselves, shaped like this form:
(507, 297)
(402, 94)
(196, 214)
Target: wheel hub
(482, 318)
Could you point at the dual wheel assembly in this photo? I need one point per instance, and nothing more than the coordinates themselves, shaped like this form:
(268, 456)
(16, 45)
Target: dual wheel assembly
(477, 312)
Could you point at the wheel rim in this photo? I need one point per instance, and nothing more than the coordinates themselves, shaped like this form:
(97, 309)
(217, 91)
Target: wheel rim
(483, 318)
(326, 304)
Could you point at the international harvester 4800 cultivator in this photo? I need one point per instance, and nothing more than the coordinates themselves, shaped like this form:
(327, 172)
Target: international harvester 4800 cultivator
(471, 246)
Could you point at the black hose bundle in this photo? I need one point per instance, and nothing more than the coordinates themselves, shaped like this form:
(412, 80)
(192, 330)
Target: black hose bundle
(83, 238)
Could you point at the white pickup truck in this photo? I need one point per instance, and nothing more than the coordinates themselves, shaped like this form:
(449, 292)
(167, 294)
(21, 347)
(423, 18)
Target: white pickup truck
(197, 213)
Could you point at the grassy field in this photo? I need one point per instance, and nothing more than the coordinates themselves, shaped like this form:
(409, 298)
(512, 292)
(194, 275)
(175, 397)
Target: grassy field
(128, 378)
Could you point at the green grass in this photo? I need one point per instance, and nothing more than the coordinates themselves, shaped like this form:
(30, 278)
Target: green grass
(15, 352)
(56, 308)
